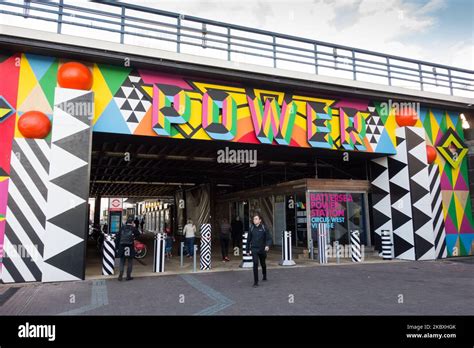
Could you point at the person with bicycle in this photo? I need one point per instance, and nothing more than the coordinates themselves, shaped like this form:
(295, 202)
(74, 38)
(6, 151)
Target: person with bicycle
(126, 251)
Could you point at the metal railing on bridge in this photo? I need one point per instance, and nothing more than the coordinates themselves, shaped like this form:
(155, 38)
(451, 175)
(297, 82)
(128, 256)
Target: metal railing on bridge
(133, 24)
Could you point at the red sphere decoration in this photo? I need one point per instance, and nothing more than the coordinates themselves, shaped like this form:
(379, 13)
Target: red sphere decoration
(430, 154)
(75, 76)
(34, 124)
(406, 117)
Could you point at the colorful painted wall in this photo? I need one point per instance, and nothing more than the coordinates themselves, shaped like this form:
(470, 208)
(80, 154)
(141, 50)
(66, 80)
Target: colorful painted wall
(155, 104)
(46, 139)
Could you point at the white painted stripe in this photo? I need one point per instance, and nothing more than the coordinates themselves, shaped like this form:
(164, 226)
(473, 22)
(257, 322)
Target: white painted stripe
(17, 261)
(23, 236)
(33, 160)
(29, 184)
(5, 276)
(26, 210)
(43, 147)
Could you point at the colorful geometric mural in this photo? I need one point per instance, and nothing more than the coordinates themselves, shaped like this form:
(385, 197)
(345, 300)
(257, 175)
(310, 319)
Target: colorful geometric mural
(151, 103)
(440, 127)
(9, 70)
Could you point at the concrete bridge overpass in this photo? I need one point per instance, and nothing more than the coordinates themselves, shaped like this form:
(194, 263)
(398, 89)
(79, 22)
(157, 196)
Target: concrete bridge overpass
(169, 91)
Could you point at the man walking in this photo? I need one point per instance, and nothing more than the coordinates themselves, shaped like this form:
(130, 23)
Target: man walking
(259, 240)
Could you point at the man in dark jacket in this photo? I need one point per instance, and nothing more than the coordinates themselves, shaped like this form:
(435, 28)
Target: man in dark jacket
(126, 251)
(259, 241)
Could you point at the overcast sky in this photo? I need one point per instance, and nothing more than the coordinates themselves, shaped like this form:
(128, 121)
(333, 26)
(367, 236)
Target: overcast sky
(439, 31)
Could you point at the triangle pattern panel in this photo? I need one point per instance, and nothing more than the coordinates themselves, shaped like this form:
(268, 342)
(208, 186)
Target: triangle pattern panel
(403, 235)
(131, 101)
(382, 215)
(420, 193)
(68, 187)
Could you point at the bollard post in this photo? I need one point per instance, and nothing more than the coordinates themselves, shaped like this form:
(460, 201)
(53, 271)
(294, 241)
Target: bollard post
(194, 257)
(205, 255)
(311, 249)
(322, 238)
(159, 253)
(387, 245)
(247, 261)
(181, 254)
(355, 246)
(286, 251)
(108, 255)
(336, 247)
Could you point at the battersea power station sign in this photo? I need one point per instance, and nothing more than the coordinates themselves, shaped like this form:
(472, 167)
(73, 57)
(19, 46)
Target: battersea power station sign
(155, 104)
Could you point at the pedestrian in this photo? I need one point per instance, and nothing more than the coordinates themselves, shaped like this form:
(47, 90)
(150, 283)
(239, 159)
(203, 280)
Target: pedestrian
(142, 223)
(224, 236)
(126, 251)
(169, 242)
(189, 232)
(136, 222)
(259, 240)
(237, 231)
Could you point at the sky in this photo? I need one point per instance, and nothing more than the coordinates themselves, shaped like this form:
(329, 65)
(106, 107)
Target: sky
(440, 31)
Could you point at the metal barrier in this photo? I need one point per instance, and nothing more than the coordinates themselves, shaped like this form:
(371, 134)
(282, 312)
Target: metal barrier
(323, 231)
(130, 21)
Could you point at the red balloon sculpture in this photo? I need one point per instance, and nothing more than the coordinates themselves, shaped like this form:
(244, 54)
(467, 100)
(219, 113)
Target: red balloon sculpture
(34, 124)
(406, 117)
(430, 154)
(75, 76)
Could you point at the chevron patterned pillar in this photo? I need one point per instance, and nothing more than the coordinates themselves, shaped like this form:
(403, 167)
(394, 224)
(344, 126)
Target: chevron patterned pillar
(68, 189)
(437, 210)
(410, 197)
(381, 207)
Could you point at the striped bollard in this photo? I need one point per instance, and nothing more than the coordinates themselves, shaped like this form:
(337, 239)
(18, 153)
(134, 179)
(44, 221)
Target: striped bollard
(108, 255)
(205, 256)
(355, 246)
(322, 240)
(247, 261)
(286, 252)
(387, 245)
(159, 255)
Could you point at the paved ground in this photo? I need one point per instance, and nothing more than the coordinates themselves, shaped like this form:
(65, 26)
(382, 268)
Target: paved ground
(427, 288)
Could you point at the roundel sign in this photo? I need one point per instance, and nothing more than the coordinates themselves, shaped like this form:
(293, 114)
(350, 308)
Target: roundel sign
(115, 204)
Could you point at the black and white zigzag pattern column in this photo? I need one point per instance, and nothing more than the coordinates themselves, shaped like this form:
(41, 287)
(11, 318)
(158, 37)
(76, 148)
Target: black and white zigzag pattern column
(68, 189)
(108, 256)
(410, 196)
(381, 206)
(437, 209)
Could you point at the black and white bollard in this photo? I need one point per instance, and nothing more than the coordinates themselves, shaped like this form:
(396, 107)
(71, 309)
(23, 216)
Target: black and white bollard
(108, 255)
(181, 255)
(159, 255)
(286, 251)
(355, 246)
(322, 242)
(247, 261)
(387, 245)
(205, 257)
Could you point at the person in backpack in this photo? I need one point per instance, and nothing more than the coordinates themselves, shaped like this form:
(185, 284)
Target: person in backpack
(259, 241)
(126, 251)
